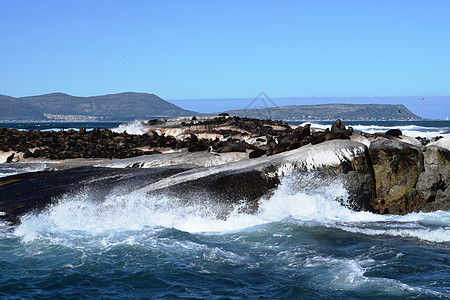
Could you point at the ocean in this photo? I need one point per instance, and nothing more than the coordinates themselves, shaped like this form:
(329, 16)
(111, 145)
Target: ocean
(120, 243)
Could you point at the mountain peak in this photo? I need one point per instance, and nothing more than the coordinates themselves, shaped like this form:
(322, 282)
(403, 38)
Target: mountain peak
(127, 106)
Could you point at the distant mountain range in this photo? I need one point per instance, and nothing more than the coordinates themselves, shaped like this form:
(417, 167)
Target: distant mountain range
(331, 112)
(64, 107)
(131, 106)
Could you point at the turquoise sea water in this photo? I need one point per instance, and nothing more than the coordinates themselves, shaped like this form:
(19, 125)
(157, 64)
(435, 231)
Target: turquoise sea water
(300, 245)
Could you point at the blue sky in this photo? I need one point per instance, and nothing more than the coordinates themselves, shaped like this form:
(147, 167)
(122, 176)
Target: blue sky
(227, 48)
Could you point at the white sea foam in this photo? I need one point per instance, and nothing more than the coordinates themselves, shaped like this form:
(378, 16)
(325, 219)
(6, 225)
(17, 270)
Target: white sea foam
(8, 170)
(82, 212)
(135, 127)
(439, 235)
(350, 274)
(408, 130)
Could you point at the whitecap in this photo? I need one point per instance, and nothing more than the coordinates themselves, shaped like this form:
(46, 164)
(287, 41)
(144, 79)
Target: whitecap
(135, 127)
(82, 213)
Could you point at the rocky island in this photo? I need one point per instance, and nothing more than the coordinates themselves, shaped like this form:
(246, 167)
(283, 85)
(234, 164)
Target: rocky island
(228, 160)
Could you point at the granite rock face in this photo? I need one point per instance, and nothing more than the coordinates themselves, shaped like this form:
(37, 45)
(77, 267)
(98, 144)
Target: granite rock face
(410, 178)
(397, 167)
(434, 183)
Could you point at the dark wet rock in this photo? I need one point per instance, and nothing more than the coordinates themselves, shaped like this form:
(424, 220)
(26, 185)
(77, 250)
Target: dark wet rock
(225, 190)
(249, 182)
(32, 192)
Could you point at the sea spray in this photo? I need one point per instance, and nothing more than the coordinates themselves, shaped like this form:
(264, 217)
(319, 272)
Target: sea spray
(301, 243)
(122, 211)
(135, 127)
(413, 130)
(14, 169)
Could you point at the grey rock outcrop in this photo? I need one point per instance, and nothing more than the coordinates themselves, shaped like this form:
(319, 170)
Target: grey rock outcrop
(250, 180)
(410, 178)
(397, 167)
(433, 183)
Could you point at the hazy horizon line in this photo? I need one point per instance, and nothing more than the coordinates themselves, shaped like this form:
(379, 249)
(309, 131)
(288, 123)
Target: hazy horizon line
(225, 98)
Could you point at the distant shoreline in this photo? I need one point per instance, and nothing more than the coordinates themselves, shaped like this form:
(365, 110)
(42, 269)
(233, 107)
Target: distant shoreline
(286, 120)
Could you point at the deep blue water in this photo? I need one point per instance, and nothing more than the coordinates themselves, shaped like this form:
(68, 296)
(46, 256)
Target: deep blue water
(301, 245)
(59, 125)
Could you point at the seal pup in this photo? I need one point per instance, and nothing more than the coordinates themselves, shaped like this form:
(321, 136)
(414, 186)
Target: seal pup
(10, 158)
(394, 132)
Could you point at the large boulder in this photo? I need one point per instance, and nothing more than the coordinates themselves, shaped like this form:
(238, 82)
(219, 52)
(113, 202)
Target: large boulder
(247, 181)
(443, 142)
(32, 192)
(434, 183)
(397, 167)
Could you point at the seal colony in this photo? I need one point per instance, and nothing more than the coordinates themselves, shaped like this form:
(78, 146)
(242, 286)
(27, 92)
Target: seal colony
(231, 159)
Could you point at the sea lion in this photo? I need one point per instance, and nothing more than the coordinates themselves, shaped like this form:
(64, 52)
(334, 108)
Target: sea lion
(10, 158)
(338, 127)
(306, 131)
(282, 147)
(318, 137)
(394, 132)
(256, 153)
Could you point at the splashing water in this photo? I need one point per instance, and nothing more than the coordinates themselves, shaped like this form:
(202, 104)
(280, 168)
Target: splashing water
(81, 211)
(300, 242)
(408, 130)
(135, 127)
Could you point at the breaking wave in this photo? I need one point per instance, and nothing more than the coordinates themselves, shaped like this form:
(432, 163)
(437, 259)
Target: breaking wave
(82, 212)
(135, 127)
(14, 169)
(409, 130)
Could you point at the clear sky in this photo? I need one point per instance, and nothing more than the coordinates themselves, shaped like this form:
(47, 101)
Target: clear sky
(190, 49)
